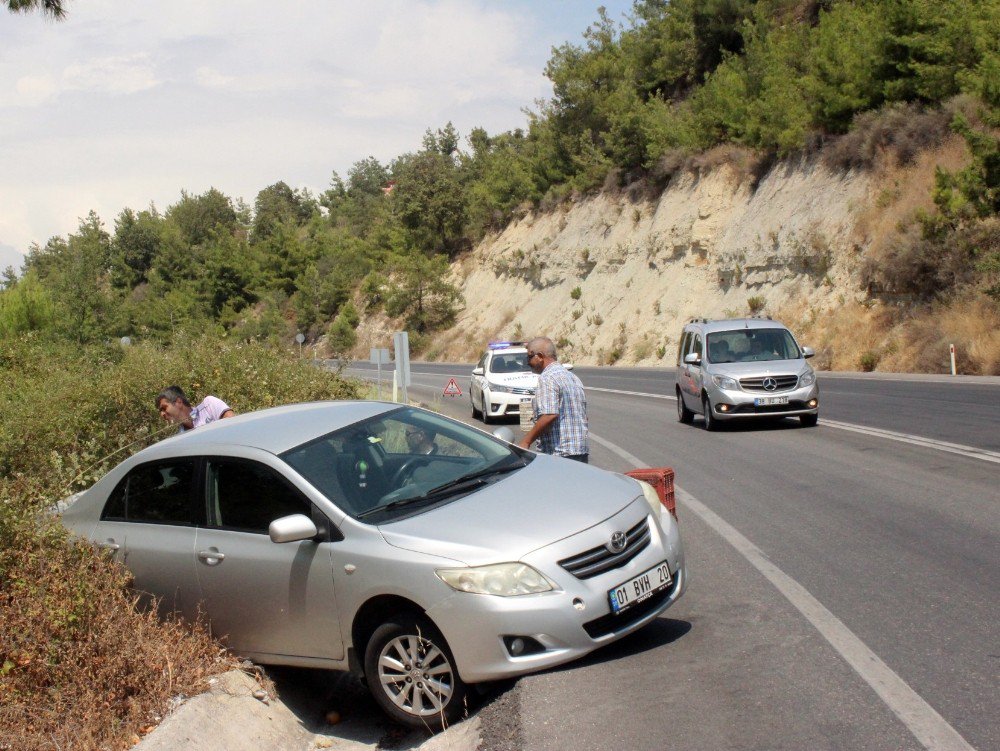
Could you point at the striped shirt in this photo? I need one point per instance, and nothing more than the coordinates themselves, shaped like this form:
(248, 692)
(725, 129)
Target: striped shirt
(559, 392)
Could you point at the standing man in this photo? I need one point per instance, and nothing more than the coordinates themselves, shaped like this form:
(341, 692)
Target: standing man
(174, 407)
(560, 406)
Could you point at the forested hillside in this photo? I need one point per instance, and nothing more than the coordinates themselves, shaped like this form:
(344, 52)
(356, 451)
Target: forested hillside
(860, 82)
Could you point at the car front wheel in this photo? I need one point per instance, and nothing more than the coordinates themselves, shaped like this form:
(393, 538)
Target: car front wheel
(710, 422)
(486, 411)
(684, 415)
(412, 675)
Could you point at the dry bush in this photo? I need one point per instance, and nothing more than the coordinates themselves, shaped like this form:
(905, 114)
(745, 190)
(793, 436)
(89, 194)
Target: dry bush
(82, 665)
(740, 159)
(970, 322)
(900, 131)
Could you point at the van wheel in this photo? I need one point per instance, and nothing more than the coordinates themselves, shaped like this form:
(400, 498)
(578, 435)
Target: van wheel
(412, 675)
(684, 415)
(710, 422)
(809, 421)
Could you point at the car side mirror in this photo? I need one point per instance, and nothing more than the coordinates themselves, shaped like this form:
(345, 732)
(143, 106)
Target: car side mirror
(504, 434)
(808, 352)
(292, 529)
(477, 371)
(692, 358)
(568, 366)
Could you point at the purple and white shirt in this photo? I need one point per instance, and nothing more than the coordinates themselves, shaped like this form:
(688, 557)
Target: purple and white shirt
(211, 409)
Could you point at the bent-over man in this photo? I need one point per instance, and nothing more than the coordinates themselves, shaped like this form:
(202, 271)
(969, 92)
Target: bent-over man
(559, 406)
(174, 407)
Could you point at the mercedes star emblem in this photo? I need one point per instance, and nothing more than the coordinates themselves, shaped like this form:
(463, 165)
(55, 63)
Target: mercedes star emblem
(770, 384)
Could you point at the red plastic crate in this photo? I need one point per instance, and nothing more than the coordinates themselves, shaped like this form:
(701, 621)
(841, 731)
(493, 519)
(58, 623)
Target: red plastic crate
(662, 480)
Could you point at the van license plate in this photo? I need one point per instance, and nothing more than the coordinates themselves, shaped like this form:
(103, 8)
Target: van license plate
(640, 588)
(763, 401)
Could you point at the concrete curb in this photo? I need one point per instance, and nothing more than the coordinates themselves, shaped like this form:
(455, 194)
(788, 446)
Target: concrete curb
(236, 714)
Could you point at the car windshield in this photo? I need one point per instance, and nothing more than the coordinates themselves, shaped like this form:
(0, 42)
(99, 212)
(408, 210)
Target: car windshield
(751, 345)
(510, 362)
(401, 463)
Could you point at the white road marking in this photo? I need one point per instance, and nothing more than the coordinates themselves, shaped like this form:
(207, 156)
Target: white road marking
(970, 452)
(920, 718)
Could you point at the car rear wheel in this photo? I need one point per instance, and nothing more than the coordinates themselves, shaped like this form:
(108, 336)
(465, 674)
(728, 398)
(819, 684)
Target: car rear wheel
(710, 422)
(809, 421)
(684, 415)
(411, 673)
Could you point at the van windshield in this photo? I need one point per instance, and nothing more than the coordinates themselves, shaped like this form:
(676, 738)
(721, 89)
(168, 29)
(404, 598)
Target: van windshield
(752, 345)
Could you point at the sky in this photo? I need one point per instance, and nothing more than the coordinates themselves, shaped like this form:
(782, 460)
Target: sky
(124, 104)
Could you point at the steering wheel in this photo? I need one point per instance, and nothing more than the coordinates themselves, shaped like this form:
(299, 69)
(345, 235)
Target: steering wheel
(403, 475)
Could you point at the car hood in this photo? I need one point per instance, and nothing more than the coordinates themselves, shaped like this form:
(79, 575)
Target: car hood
(521, 380)
(547, 501)
(766, 367)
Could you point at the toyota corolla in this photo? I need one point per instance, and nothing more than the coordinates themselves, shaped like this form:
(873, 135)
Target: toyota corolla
(316, 535)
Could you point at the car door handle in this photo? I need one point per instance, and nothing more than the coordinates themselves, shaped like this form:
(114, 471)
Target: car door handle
(211, 557)
(109, 545)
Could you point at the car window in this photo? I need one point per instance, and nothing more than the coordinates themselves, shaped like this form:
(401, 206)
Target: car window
(682, 348)
(511, 362)
(373, 463)
(248, 496)
(752, 345)
(158, 493)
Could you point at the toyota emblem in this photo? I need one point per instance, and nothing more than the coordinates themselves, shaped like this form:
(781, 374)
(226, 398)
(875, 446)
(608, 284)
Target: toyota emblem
(770, 384)
(618, 542)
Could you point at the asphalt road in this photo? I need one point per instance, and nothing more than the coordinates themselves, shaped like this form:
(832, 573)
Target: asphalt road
(844, 580)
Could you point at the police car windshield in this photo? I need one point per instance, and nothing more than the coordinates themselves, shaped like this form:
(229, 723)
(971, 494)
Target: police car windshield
(510, 362)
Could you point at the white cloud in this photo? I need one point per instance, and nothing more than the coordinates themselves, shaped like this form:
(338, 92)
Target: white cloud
(126, 103)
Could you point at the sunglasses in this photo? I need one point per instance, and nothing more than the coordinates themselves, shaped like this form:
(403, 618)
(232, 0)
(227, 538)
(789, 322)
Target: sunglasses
(533, 355)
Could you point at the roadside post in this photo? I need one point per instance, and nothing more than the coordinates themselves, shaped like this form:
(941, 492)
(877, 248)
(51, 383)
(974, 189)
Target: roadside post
(952, 348)
(300, 337)
(378, 356)
(401, 344)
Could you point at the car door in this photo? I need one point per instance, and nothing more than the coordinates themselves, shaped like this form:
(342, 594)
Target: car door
(476, 384)
(690, 373)
(264, 597)
(148, 522)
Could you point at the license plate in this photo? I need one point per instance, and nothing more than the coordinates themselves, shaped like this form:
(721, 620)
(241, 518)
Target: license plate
(763, 401)
(640, 588)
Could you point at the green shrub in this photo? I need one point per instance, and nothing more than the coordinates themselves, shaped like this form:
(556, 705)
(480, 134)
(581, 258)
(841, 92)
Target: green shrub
(575, 293)
(755, 304)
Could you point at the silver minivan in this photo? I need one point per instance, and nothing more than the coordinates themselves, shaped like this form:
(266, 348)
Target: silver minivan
(743, 368)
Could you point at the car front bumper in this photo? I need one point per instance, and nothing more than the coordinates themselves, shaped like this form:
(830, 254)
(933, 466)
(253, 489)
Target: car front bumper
(500, 403)
(562, 625)
(738, 404)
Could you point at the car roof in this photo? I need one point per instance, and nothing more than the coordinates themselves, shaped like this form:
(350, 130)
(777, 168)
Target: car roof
(728, 324)
(274, 430)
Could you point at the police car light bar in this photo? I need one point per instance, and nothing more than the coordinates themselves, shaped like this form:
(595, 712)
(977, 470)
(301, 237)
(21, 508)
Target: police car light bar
(504, 345)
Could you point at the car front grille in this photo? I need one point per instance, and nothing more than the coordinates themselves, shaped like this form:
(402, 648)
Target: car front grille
(750, 409)
(518, 390)
(597, 560)
(784, 383)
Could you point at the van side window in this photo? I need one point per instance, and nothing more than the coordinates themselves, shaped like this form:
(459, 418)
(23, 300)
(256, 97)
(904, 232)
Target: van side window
(682, 347)
(697, 345)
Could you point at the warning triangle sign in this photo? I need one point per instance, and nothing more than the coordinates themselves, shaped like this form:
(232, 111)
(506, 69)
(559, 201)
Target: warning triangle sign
(452, 388)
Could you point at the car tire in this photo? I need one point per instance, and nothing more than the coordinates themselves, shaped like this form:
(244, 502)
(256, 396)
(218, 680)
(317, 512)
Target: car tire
(417, 695)
(684, 415)
(486, 412)
(809, 421)
(475, 412)
(711, 424)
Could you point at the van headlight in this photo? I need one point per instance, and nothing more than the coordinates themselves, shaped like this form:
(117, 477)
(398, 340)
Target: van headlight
(807, 379)
(725, 382)
(501, 579)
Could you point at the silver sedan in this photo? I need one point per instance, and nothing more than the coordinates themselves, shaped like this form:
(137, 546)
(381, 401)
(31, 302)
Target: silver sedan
(421, 552)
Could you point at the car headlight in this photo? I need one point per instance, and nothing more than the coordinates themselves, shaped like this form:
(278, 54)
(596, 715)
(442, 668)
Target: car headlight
(649, 493)
(807, 379)
(499, 387)
(725, 382)
(501, 579)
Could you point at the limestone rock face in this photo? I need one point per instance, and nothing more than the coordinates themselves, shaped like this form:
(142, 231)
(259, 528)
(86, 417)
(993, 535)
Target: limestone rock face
(712, 245)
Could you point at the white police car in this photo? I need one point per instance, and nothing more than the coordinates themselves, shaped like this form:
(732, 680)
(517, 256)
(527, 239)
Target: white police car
(501, 381)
